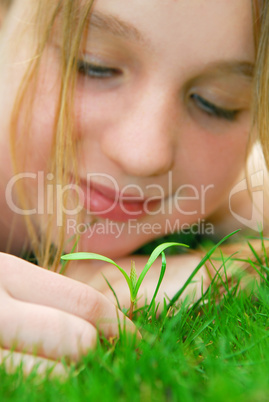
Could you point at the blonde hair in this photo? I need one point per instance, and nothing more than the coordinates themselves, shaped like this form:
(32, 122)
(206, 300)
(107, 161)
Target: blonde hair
(262, 86)
(74, 17)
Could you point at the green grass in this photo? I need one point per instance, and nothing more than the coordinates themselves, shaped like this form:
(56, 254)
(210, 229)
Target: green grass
(207, 352)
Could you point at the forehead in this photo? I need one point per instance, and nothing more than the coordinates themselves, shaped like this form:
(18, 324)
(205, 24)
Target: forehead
(196, 29)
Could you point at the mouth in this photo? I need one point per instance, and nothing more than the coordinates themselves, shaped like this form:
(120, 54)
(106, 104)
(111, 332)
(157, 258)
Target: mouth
(106, 203)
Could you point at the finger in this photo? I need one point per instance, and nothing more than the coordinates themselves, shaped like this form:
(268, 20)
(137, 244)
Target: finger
(44, 331)
(11, 361)
(54, 290)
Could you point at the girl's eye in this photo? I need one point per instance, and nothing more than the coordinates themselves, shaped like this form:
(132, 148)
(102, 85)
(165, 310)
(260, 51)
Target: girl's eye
(213, 110)
(96, 71)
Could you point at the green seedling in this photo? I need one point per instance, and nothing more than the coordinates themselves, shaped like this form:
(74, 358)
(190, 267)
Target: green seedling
(133, 281)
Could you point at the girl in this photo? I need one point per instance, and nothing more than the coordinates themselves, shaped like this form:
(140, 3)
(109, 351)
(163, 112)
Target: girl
(119, 124)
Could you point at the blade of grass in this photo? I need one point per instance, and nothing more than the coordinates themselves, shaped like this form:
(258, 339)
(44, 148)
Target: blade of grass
(254, 253)
(225, 283)
(194, 333)
(72, 251)
(199, 266)
(208, 290)
(93, 256)
(240, 352)
(113, 291)
(154, 255)
(264, 249)
(258, 272)
(163, 269)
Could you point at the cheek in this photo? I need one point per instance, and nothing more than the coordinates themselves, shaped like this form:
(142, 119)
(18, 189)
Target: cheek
(208, 161)
(94, 113)
(212, 157)
(41, 136)
(39, 133)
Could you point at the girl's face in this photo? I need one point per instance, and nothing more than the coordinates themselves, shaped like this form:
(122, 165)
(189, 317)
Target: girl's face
(161, 112)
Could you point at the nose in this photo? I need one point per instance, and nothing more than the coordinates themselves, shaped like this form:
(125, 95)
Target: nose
(141, 138)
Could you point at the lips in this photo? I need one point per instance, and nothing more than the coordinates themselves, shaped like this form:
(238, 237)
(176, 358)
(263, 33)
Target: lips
(106, 203)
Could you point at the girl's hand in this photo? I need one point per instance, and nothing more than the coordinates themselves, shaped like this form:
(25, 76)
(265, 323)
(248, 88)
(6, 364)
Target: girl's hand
(51, 316)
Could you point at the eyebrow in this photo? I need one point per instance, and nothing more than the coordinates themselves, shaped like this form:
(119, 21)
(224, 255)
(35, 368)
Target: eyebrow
(232, 67)
(223, 68)
(114, 25)
(237, 67)
(117, 27)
